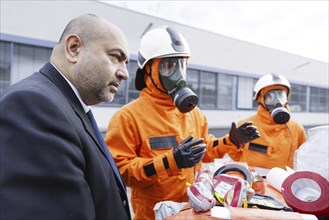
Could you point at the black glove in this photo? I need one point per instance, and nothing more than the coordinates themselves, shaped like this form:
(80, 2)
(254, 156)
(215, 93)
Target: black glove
(243, 134)
(186, 155)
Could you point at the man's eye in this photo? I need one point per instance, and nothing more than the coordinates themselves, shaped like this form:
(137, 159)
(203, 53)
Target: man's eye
(115, 58)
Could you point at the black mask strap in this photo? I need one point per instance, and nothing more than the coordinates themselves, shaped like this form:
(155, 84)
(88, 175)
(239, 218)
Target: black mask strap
(150, 75)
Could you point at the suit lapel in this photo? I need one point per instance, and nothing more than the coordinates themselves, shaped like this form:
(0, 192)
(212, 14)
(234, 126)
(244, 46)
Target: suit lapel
(50, 72)
(53, 75)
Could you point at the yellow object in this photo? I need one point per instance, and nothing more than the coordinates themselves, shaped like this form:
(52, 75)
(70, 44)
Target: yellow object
(245, 203)
(220, 198)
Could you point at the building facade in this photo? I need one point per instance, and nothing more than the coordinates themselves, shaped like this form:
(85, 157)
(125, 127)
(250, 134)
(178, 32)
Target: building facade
(222, 71)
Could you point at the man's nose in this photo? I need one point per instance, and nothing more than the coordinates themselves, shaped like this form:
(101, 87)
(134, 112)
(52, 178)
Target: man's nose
(122, 72)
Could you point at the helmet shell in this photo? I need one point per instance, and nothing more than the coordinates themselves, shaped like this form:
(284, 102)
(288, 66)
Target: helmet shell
(270, 80)
(162, 42)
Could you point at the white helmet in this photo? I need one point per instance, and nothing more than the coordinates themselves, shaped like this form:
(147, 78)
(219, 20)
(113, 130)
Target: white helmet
(162, 42)
(270, 80)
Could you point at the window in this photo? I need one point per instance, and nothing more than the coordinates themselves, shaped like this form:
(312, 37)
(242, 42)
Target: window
(208, 90)
(245, 93)
(133, 92)
(192, 80)
(224, 91)
(215, 90)
(319, 100)
(27, 60)
(254, 102)
(297, 100)
(4, 65)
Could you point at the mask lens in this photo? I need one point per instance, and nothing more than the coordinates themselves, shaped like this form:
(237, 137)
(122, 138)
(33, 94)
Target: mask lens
(274, 96)
(183, 67)
(167, 66)
(269, 97)
(282, 95)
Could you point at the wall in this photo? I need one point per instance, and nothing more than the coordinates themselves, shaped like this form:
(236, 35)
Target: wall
(45, 20)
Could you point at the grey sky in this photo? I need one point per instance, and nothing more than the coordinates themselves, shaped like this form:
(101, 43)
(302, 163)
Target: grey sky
(298, 27)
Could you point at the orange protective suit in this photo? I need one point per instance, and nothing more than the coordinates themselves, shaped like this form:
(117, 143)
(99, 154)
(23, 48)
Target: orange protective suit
(143, 132)
(278, 142)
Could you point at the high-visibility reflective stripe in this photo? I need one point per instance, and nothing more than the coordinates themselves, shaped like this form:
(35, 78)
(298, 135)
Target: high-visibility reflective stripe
(258, 147)
(164, 142)
(150, 170)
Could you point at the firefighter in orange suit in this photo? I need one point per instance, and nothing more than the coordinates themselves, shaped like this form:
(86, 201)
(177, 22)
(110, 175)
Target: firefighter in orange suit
(280, 135)
(159, 139)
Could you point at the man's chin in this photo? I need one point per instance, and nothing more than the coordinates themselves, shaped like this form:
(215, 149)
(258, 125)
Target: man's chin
(108, 98)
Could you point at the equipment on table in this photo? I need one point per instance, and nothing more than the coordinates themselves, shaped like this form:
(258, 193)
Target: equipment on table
(267, 202)
(201, 192)
(232, 190)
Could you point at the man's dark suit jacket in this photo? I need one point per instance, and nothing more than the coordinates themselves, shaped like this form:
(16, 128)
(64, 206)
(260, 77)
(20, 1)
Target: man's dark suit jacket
(51, 165)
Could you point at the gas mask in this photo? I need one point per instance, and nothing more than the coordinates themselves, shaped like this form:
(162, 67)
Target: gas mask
(275, 100)
(172, 72)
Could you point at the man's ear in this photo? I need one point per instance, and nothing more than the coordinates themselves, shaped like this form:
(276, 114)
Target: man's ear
(72, 47)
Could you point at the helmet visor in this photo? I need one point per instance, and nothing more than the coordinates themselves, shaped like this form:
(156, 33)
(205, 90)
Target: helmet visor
(168, 66)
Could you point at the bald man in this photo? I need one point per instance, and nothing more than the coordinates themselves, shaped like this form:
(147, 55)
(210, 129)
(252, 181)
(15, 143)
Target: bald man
(52, 163)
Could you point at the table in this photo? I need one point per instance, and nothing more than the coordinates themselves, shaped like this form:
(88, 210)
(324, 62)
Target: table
(245, 213)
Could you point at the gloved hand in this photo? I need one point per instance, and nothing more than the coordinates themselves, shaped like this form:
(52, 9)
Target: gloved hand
(187, 154)
(243, 134)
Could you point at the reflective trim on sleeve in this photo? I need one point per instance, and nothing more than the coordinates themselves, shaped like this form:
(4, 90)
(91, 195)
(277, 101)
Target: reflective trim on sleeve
(215, 143)
(150, 169)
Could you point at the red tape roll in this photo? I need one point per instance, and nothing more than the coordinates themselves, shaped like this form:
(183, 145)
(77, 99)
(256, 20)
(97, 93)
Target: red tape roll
(307, 192)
